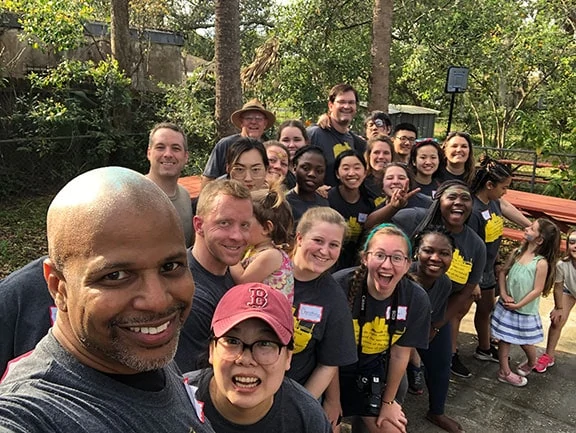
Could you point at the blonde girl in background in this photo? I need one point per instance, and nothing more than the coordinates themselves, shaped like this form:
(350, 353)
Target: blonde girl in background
(267, 260)
(564, 300)
(529, 273)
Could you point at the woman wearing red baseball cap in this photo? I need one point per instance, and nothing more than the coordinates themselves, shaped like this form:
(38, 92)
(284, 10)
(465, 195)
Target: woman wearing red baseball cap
(250, 351)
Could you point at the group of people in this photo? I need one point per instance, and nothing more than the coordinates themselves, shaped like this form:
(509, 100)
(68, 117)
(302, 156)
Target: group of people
(344, 264)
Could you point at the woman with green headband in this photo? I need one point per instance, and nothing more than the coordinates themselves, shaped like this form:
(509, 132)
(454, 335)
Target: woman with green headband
(391, 315)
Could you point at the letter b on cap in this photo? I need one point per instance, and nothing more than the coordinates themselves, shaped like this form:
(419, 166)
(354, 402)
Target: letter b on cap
(258, 298)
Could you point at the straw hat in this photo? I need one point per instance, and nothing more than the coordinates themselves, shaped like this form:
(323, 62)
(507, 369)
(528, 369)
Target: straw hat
(252, 105)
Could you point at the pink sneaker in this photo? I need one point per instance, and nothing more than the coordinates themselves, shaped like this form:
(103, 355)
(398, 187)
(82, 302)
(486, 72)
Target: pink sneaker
(543, 363)
(512, 379)
(524, 369)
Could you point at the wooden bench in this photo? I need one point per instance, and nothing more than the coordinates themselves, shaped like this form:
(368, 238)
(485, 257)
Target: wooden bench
(192, 183)
(559, 210)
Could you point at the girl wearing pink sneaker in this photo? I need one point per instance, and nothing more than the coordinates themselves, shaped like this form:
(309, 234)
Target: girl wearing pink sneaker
(528, 274)
(564, 300)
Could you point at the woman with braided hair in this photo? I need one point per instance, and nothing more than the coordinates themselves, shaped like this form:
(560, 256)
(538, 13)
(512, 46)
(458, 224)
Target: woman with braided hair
(490, 183)
(451, 208)
(391, 315)
(433, 253)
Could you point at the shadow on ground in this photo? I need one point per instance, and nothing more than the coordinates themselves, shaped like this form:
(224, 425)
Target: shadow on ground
(484, 405)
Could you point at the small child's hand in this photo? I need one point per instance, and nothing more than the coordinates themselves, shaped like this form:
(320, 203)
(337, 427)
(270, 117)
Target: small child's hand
(507, 299)
(323, 121)
(511, 305)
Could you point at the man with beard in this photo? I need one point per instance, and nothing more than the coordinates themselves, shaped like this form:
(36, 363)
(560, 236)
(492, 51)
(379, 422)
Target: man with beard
(118, 274)
(337, 137)
(222, 230)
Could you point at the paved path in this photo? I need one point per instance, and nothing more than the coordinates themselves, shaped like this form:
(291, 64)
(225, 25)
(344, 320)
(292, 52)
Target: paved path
(484, 405)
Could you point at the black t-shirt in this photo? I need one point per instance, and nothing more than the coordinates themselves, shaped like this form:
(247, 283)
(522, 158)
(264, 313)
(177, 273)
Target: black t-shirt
(412, 326)
(332, 144)
(194, 336)
(299, 206)
(487, 221)
(438, 295)
(323, 332)
(355, 215)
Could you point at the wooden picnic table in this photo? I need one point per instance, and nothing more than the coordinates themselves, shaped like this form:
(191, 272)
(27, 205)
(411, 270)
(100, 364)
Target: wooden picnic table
(560, 210)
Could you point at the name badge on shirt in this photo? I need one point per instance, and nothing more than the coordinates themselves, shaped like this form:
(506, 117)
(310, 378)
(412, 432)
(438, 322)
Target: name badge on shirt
(486, 214)
(362, 217)
(310, 313)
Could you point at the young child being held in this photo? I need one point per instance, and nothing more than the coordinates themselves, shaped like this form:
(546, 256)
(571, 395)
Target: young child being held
(266, 260)
(529, 273)
(564, 300)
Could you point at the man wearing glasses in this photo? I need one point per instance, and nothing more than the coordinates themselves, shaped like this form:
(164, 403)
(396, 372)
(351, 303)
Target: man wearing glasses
(252, 120)
(337, 137)
(404, 135)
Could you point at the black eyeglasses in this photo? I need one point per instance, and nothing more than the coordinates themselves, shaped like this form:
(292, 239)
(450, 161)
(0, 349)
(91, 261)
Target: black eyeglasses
(264, 352)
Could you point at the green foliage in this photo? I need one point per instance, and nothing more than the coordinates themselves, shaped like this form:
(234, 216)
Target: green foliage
(192, 107)
(52, 24)
(22, 232)
(322, 43)
(76, 117)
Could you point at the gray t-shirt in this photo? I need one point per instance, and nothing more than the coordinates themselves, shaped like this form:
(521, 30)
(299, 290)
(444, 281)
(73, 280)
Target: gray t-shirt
(193, 345)
(487, 221)
(183, 205)
(51, 391)
(469, 257)
(294, 411)
(566, 273)
(216, 165)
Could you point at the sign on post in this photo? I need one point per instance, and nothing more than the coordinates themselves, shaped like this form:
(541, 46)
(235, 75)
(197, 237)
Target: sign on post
(457, 80)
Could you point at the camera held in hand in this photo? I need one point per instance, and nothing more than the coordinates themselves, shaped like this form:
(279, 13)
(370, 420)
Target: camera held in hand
(371, 389)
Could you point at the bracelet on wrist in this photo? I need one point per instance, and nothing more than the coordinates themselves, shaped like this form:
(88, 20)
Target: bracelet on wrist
(436, 330)
(558, 308)
(388, 402)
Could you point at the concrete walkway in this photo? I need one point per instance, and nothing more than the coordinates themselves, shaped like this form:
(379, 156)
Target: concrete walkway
(484, 405)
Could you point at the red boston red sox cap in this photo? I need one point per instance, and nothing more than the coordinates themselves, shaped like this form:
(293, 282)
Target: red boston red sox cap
(254, 301)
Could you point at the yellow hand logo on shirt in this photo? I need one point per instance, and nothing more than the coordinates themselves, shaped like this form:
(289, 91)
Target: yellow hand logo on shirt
(302, 335)
(494, 228)
(375, 336)
(459, 269)
(339, 148)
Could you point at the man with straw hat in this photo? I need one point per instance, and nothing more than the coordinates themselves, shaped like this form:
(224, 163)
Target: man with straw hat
(252, 120)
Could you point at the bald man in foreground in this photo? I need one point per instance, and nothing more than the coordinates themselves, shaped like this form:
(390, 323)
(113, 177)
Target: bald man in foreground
(118, 273)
